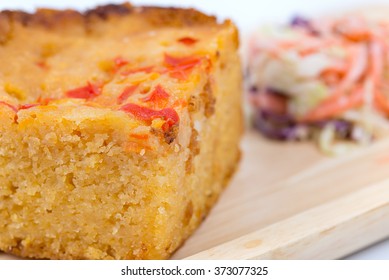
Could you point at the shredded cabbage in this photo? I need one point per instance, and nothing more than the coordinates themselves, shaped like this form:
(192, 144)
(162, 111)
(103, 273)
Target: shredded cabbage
(329, 144)
(316, 68)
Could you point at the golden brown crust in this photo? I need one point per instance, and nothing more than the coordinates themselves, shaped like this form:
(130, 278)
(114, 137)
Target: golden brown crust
(5, 27)
(176, 17)
(106, 11)
(49, 18)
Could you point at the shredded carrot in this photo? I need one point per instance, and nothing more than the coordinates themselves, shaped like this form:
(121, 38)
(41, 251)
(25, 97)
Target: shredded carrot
(358, 75)
(357, 69)
(333, 75)
(358, 65)
(333, 107)
(377, 59)
(381, 102)
(376, 72)
(353, 28)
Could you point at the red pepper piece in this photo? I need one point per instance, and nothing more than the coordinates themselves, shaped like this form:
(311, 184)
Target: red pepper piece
(128, 91)
(147, 70)
(44, 101)
(120, 62)
(43, 65)
(186, 62)
(187, 41)
(146, 114)
(87, 92)
(13, 108)
(27, 106)
(158, 96)
(140, 136)
(180, 67)
(171, 117)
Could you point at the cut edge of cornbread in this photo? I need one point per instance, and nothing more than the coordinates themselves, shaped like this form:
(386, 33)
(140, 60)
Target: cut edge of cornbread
(72, 185)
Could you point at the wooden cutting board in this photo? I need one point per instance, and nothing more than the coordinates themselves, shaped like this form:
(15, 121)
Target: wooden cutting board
(287, 201)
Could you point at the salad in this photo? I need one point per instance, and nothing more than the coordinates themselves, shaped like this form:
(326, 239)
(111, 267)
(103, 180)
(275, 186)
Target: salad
(326, 80)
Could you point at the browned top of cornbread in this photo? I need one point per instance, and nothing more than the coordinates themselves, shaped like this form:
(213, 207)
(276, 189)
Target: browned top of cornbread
(59, 19)
(136, 66)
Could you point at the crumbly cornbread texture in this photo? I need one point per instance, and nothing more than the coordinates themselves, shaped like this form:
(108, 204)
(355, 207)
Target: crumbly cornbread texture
(119, 129)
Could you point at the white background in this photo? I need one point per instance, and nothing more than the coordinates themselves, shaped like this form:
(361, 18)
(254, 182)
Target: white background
(291, 270)
(247, 15)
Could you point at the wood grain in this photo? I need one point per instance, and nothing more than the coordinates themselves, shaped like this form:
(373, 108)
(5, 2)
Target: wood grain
(280, 181)
(329, 231)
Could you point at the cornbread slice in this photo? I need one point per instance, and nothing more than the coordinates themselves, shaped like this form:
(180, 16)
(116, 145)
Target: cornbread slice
(119, 129)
